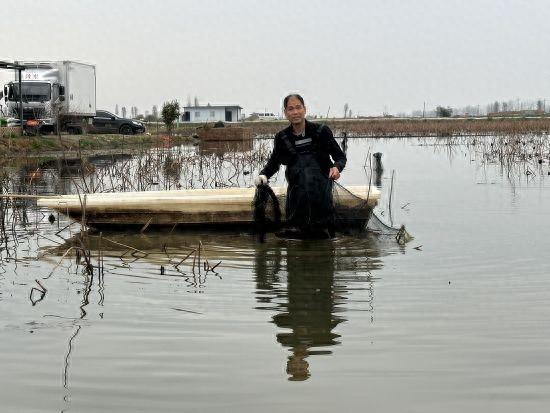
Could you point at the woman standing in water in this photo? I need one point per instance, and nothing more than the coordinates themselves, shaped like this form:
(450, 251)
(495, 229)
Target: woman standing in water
(313, 160)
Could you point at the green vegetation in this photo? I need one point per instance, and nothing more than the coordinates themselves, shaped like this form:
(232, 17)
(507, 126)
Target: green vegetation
(443, 112)
(11, 143)
(170, 112)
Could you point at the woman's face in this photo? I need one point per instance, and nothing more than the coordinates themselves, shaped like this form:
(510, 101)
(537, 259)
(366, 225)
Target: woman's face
(295, 111)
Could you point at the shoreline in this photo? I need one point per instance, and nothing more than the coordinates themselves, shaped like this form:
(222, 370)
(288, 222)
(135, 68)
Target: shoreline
(52, 145)
(84, 145)
(417, 127)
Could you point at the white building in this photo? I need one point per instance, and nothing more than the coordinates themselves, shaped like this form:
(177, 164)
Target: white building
(212, 113)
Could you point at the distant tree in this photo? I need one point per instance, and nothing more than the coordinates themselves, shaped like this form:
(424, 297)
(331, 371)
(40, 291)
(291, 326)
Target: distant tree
(170, 112)
(140, 117)
(443, 112)
(116, 109)
(188, 100)
(123, 110)
(155, 112)
(540, 105)
(349, 113)
(346, 108)
(496, 106)
(196, 101)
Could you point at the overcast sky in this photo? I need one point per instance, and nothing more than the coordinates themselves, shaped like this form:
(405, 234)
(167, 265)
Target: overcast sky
(375, 55)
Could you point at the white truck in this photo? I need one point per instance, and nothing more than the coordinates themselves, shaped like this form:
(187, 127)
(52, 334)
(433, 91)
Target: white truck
(61, 93)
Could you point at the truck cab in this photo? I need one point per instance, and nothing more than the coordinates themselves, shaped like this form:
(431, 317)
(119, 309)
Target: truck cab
(37, 97)
(43, 95)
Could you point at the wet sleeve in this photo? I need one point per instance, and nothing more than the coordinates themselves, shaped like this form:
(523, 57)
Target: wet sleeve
(334, 150)
(274, 161)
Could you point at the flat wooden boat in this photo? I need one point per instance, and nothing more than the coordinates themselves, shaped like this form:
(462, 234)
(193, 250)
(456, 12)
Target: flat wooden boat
(224, 206)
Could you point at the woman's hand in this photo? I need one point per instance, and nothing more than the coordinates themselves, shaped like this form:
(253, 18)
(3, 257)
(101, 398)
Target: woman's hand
(260, 180)
(334, 173)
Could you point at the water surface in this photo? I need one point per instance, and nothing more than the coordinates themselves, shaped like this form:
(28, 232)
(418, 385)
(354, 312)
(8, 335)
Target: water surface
(456, 320)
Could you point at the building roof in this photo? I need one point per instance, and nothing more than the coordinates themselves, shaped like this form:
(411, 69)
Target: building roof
(212, 106)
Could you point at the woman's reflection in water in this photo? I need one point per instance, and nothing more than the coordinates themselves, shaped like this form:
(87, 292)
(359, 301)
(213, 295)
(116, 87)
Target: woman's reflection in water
(308, 305)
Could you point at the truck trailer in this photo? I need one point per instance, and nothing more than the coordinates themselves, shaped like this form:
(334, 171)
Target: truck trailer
(55, 94)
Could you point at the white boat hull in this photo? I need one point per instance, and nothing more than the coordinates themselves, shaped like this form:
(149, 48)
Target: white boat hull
(223, 206)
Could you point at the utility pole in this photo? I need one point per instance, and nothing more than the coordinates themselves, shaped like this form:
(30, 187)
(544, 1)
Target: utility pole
(424, 110)
(20, 101)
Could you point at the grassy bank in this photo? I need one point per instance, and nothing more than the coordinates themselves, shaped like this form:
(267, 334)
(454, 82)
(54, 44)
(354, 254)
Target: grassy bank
(387, 127)
(371, 127)
(73, 143)
(441, 127)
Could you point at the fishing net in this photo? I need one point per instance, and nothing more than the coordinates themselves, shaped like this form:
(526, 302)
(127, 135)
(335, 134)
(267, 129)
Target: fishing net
(342, 211)
(267, 211)
(351, 212)
(378, 227)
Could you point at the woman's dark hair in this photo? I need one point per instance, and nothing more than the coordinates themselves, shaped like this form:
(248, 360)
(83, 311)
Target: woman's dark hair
(293, 95)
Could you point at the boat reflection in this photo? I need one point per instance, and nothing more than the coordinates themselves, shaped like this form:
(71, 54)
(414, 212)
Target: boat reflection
(307, 284)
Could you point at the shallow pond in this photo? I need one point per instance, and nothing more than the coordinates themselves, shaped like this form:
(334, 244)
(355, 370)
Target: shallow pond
(456, 320)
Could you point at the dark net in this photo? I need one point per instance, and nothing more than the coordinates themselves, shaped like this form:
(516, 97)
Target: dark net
(354, 213)
(351, 212)
(334, 209)
(267, 211)
(378, 227)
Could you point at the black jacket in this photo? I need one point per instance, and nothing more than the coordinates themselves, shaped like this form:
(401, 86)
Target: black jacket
(324, 143)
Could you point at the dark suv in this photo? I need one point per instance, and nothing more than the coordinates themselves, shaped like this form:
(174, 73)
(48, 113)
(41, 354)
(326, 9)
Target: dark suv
(106, 122)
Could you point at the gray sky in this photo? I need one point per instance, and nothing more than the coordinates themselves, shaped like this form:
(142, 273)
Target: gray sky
(375, 55)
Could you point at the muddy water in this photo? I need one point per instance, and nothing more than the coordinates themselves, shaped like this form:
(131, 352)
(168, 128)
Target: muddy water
(456, 320)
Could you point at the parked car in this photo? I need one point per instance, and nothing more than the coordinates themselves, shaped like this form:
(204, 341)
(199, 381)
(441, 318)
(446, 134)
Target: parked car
(106, 122)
